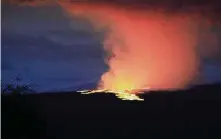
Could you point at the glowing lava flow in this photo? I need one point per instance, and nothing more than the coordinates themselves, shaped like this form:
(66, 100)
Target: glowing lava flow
(123, 95)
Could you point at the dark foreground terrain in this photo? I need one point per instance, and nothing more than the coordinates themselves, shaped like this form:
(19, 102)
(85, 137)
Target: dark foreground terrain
(181, 114)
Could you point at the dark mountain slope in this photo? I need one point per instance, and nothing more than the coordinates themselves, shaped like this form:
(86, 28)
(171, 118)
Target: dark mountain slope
(181, 114)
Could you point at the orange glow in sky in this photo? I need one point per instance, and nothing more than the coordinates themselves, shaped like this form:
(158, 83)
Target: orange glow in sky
(147, 48)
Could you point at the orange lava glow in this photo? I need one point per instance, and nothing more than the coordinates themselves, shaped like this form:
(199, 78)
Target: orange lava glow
(148, 49)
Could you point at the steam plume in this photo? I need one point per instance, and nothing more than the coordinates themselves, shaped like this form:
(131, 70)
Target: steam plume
(147, 48)
(155, 49)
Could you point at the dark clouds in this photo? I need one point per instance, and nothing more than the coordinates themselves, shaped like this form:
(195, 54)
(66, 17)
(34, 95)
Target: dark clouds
(37, 31)
(207, 8)
(41, 43)
(134, 2)
(167, 4)
(24, 46)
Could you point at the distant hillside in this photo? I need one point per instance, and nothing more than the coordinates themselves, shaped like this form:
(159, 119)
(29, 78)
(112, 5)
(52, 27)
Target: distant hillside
(181, 114)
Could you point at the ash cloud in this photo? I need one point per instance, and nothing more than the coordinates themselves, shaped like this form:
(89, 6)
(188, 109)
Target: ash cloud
(187, 17)
(156, 47)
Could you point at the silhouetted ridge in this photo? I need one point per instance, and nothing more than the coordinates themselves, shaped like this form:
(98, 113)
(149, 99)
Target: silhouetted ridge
(181, 114)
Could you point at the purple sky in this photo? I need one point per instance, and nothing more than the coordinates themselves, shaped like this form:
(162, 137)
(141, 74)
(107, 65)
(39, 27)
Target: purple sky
(55, 52)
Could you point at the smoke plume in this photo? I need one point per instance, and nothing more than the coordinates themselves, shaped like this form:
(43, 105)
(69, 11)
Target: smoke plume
(146, 47)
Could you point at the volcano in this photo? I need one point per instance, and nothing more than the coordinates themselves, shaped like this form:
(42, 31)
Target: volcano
(193, 112)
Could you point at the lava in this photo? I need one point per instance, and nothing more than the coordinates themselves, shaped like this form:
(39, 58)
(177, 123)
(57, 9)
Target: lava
(123, 95)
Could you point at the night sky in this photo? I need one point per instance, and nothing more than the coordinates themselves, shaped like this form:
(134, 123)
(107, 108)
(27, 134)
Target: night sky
(47, 48)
